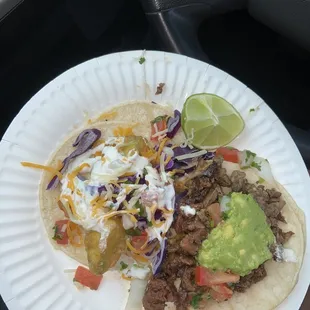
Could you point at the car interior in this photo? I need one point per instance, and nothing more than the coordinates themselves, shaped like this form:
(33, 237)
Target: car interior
(263, 43)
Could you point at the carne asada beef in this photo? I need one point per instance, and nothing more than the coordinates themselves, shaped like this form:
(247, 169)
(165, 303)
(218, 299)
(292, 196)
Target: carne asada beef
(188, 280)
(198, 188)
(237, 180)
(255, 276)
(157, 293)
(222, 178)
(184, 240)
(281, 236)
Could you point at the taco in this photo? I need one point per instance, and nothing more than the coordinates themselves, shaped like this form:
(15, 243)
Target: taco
(188, 227)
(237, 241)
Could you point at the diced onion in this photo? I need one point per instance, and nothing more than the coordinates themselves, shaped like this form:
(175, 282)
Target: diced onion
(223, 204)
(159, 133)
(168, 151)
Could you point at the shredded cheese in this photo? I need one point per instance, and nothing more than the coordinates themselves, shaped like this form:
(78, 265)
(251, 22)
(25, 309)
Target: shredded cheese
(128, 174)
(126, 278)
(123, 131)
(154, 223)
(114, 213)
(166, 211)
(160, 149)
(73, 175)
(98, 142)
(42, 167)
(98, 153)
(167, 160)
(134, 250)
(139, 258)
(74, 234)
(71, 204)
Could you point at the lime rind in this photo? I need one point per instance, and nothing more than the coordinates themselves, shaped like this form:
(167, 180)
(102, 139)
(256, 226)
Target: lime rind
(213, 121)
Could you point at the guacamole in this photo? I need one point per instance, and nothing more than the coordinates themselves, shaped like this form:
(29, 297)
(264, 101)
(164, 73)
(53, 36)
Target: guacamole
(241, 243)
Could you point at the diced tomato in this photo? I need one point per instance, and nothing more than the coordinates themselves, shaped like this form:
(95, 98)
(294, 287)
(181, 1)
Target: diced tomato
(221, 292)
(215, 211)
(60, 232)
(206, 277)
(86, 278)
(160, 125)
(229, 154)
(139, 241)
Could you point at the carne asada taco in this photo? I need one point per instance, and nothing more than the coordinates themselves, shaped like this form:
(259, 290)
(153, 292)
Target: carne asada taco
(200, 229)
(237, 241)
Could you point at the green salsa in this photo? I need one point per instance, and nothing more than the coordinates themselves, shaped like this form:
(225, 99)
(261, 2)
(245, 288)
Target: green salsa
(241, 243)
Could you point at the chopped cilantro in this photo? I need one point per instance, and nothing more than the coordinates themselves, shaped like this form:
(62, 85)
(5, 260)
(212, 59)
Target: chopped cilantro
(208, 296)
(133, 232)
(211, 223)
(141, 60)
(252, 110)
(149, 224)
(57, 235)
(138, 205)
(123, 265)
(256, 165)
(249, 154)
(159, 119)
(224, 216)
(196, 300)
(136, 265)
(260, 180)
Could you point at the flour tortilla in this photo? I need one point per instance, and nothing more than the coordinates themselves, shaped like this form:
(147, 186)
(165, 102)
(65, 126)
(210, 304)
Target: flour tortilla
(281, 277)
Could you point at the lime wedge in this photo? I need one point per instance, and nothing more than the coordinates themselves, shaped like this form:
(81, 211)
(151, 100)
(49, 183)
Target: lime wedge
(210, 121)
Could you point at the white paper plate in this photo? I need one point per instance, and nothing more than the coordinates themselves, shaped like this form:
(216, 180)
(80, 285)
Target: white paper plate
(31, 272)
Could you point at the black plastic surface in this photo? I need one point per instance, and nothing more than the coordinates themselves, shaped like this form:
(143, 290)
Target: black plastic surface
(151, 6)
(287, 17)
(176, 29)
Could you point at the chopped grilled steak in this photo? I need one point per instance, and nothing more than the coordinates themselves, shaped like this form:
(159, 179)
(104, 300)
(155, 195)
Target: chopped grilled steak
(174, 264)
(281, 236)
(222, 178)
(158, 292)
(255, 276)
(211, 196)
(191, 242)
(237, 180)
(198, 188)
(188, 280)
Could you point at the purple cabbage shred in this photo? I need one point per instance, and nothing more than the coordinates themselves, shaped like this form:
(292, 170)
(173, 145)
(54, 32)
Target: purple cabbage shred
(83, 143)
